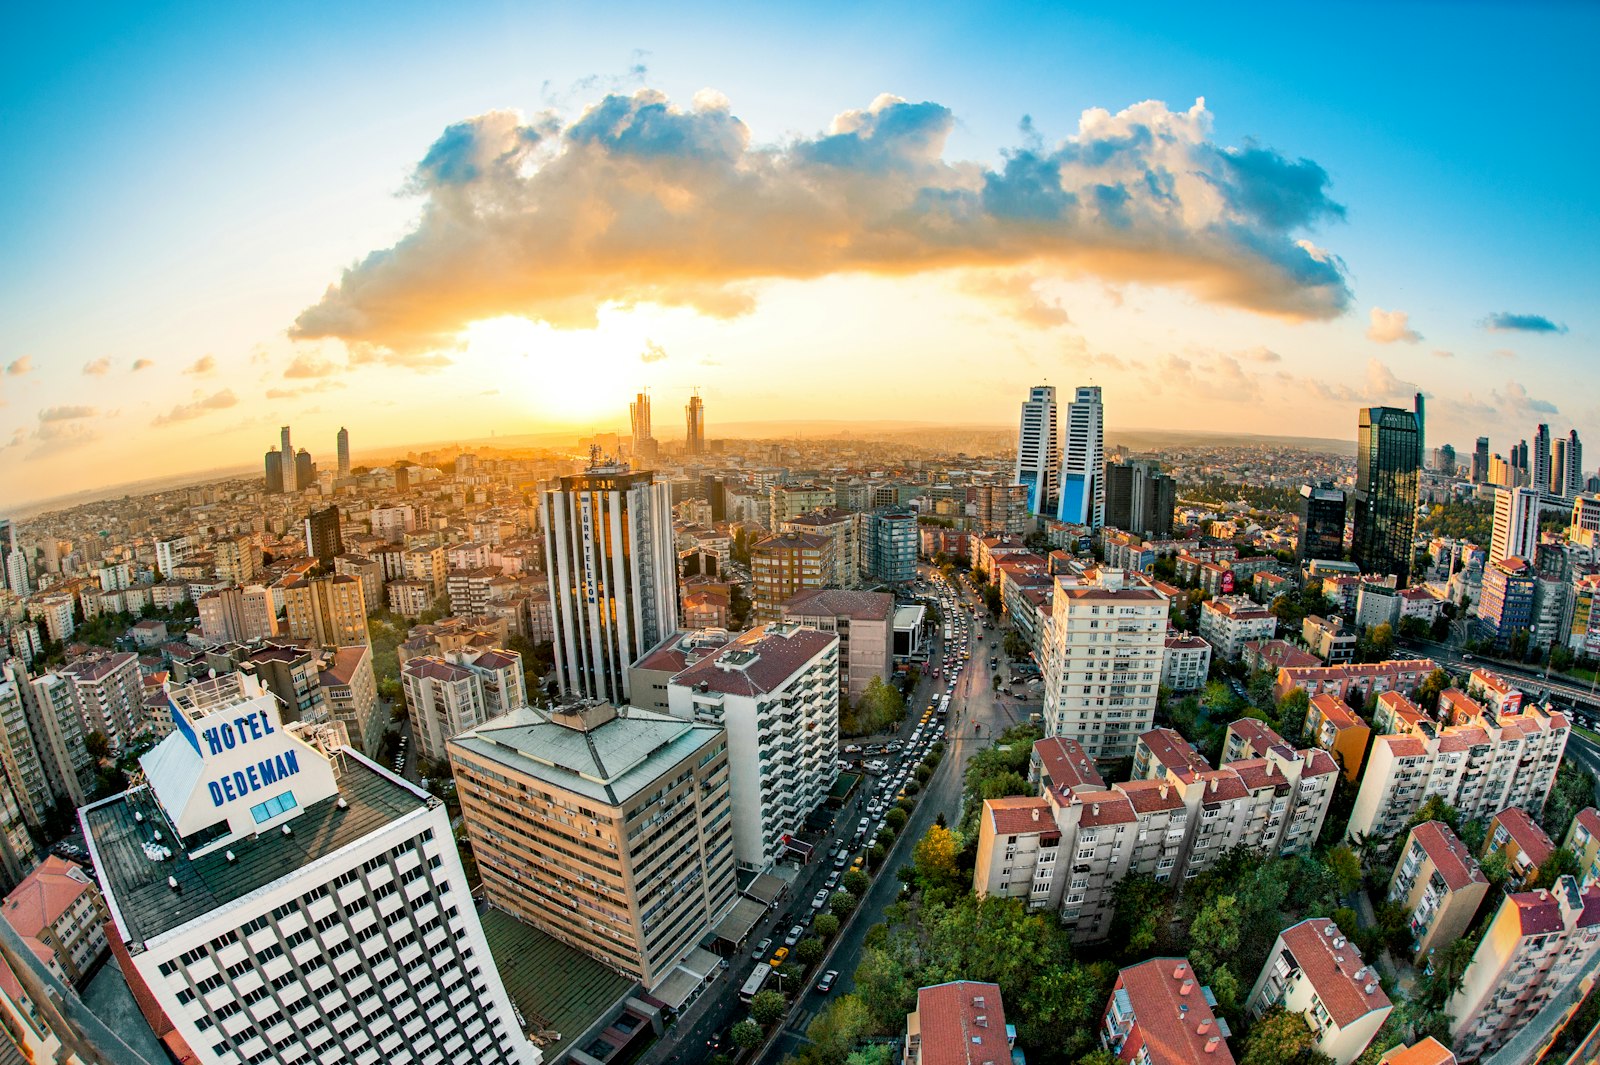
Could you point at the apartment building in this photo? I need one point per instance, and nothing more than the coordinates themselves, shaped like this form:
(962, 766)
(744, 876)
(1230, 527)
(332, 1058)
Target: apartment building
(1228, 622)
(1583, 840)
(1482, 766)
(1329, 639)
(1441, 885)
(288, 901)
(1068, 848)
(775, 692)
(783, 566)
(959, 1023)
(470, 589)
(328, 611)
(238, 615)
(350, 689)
(1187, 663)
(1534, 948)
(845, 557)
(1426, 1051)
(426, 564)
(58, 735)
(1393, 713)
(611, 833)
(864, 624)
(786, 502)
(371, 574)
(1160, 1014)
(1163, 749)
(1337, 729)
(58, 907)
(459, 690)
(1102, 663)
(20, 752)
(237, 559)
(1370, 678)
(1526, 846)
(410, 598)
(108, 692)
(1313, 970)
(1249, 738)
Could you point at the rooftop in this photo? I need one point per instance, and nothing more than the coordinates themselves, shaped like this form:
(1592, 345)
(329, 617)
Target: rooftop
(44, 895)
(1347, 986)
(1066, 764)
(1530, 839)
(1176, 1024)
(1448, 854)
(757, 662)
(557, 987)
(137, 888)
(962, 1023)
(833, 602)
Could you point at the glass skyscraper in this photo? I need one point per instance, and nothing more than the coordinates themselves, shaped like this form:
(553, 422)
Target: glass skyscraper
(1388, 474)
(1083, 457)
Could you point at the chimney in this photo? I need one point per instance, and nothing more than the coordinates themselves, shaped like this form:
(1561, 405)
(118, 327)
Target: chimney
(1213, 784)
(1188, 986)
(1163, 789)
(1204, 1027)
(1036, 813)
(1179, 971)
(1211, 1044)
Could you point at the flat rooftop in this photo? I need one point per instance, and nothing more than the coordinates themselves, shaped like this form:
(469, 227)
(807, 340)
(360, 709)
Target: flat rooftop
(555, 986)
(148, 907)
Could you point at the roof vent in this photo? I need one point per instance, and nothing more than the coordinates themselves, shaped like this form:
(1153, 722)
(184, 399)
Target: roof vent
(1331, 931)
(172, 882)
(1339, 942)
(230, 856)
(1188, 986)
(1211, 1044)
(138, 817)
(287, 831)
(1178, 971)
(1204, 1026)
(977, 1000)
(342, 803)
(982, 1020)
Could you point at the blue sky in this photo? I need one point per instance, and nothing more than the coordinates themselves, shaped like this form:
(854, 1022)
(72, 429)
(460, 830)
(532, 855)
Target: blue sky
(187, 183)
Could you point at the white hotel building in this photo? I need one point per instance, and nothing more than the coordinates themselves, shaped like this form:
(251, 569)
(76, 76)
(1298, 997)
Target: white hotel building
(288, 904)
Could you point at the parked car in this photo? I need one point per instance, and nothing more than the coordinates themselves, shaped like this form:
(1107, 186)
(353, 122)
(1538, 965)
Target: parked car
(762, 948)
(795, 932)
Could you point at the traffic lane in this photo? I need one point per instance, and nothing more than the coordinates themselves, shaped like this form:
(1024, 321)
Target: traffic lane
(1536, 679)
(1587, 755)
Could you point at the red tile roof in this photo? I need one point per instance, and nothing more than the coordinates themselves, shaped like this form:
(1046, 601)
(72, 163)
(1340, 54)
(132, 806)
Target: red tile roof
(1175, 1026)
(1150, 796)
(836, 602)
(44, 895)
(1332, 970)
(1018, 815)
(1105, 808)
(1335, 711)
(1067, 765)
(1168, 747)
(1259, 738)
(1448, 854)
(1317, 763)
(962, 1023)
(1525, 833)
(779, 650)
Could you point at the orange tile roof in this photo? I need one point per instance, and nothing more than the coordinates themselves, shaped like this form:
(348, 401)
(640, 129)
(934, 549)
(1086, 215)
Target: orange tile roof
(1428, 1051)
(1332, 970)
(963, 1023)
(44, 895)
(1335, 711)
(1175, 1027)
(1066, 763)
(1018, 815)
(1525, 833)
(1448, 854)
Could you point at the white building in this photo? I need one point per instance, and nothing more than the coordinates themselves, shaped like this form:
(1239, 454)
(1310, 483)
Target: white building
(291, 904)
(775, 690)
(1083, 460)
(1315, 971)
(1103, 655)
(1039, 451)
(1187, 663)
(1229, 622)
(108, 691)
(1516, 524)
(613, 576)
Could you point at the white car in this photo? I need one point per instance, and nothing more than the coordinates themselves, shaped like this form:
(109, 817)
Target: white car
(819, 900)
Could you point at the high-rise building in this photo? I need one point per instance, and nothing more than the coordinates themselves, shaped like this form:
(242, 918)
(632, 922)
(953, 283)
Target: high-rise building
(14, 570)
(1533, 951)
(610, 832)
(1102, 663)
(1388, 476)
(1480, 461)
(1574, 482)
(892, 547)
(274, 472)
(284, 899)
(1518, 465)
(324, 539)
(286, 460)
(329, 611)
(1321, 523)
(237, 559)
(1039, 451)
(1541, 458)
(448, 695)
(1139, 499)
(613, 575)
(1444, 459)
(773, 689)
(342, 448)
(108, 691)
(644, 442)
(695, 418)
(785, 565)
(1516, 524)
(1083, 459)
(305, 471)
(1001, 509)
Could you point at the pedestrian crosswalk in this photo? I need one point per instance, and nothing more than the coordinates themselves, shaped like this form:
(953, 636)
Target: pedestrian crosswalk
(801, 1021)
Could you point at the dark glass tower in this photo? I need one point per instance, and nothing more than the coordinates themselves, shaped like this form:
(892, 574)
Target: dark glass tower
(1388, 472)
(1321, 523)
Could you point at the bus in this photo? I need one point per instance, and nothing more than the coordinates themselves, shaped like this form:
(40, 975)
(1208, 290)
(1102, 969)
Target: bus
(758, 977)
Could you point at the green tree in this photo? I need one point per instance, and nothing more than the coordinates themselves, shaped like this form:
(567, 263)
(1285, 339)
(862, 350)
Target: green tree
(1279, 1037)
(880, 708)
(841, 903)
(837, 1028)
(809, 950)
(885, 985)
(1561, 862)
(747, 1035)
(826, 925)
(1346, 868)
(896, 818)
(934, 858)
(856, 882)
(1432, 686)
(1099, 1056)
(97, 745)
(1434, 809)
(1143, 912)
(767, 1007)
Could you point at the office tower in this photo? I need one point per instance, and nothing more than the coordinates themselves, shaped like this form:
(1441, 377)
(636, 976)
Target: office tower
(285, 899)
(274, 464)
(448, 694)
(1083, 445)
(342, 448)
(775, 692)
(14, 570)
(286, 461)
(305, 471)
(613, 575)
(1388, 472)
(1445, 460)
(324, 539)
(1039, 450)
(783, 566)
(644, 442)
(1540, 456)
(1315, 971)
(1558, 467)
(611, 833)
(1575, 480)
(1480, 461)
(1100, 675)
(328, 611)
(1139, 499)
(695, 416)
(1535, 949)
(1322, 510)
(892, 547)
(1516, 524)
(402, 477)
(1507, 602)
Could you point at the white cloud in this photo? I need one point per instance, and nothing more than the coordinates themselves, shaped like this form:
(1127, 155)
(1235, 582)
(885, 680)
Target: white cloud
(1388, 327)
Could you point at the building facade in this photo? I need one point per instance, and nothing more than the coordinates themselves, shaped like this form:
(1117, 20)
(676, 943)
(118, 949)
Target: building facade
(1039, 451)
(1440, 884)
(1389, 445)
(1083, 459)
(1315, 971)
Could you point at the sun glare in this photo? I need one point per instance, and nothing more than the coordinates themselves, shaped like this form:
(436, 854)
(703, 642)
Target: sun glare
(565, 377)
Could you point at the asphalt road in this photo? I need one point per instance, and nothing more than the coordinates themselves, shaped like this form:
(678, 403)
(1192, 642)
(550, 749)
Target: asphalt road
(976, 716)
(1531, 679)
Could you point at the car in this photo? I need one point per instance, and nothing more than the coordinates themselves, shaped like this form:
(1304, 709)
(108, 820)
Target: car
(833, 880)
(794, 934)
(819, 900)
(841, 861)
(852, 748)
(778, 956)
(825, 984)
(762, 948)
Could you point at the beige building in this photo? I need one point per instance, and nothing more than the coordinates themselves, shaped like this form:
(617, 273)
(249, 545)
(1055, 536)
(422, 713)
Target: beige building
(1526, 846)
(782, 567)
(328, 611)
(1438, 881)
(1315, 971)
(237, 559)
(1102, 660)
(410, 598)
(844, 559)
(1187, 664)
(1162, 749)
(59, 907)
(1329, 639)
(1537, 944)
(1480, 766)
(1583, 840)
(371, 573)
(1228, 622)
(238, 615)
(460, 690)
(350, 691)
(864, 623)
(426, 564)
(787, 501)
(613, 834)
(959, 1023)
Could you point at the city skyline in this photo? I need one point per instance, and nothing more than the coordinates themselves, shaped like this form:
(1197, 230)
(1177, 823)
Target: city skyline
(1328, 249)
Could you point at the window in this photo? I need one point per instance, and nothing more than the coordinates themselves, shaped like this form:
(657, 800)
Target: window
(278, 804)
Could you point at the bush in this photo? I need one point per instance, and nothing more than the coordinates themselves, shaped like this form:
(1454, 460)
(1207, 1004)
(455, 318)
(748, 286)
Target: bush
(767, 1007)
(841, 903)
(856, 882)
(826, 925)
(747, 1035)
(896, 818)
(809, 950)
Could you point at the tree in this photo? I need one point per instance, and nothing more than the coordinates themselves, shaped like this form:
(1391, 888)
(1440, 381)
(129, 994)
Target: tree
(1013, 644)
(1435, 809)
(1279, 1037)
(809, 950)
(1379, 642)
(896, 818)
(1143, 910)
(1432, 686)
(767, 1007)
(841, 903)
(856, 882)
(97, 745)
(836, 1029)
(1346, 868)
(826, 925)
(747, 1035)
(1561, 862)
(1099, 1056)
(934, 858)
(880, 707)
